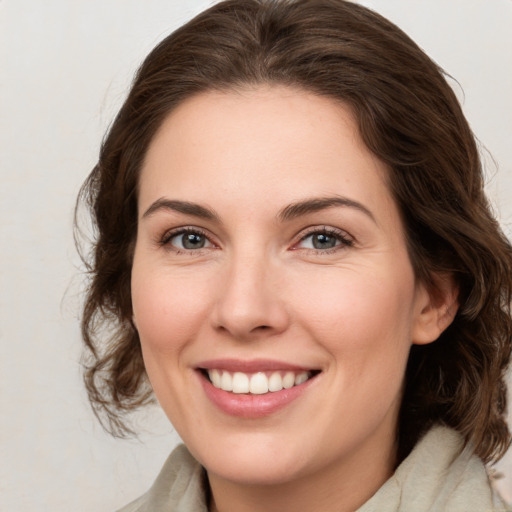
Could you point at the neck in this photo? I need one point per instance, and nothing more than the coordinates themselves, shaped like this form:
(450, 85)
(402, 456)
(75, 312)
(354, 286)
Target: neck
(335, 488)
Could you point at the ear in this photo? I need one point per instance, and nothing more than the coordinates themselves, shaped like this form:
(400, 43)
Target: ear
(436, 306)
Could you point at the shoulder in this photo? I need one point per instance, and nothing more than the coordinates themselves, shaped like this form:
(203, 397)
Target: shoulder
(439, 474)
(180, 485)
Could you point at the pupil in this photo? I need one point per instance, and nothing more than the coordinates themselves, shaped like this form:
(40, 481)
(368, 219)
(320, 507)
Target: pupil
(193, 241)
(322, 241)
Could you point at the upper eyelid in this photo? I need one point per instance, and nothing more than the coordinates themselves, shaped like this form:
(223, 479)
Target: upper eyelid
(346, 239)
(301, 235)
(171, 233)
(324, 229)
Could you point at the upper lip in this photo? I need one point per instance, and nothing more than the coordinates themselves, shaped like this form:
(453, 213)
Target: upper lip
(250, 366)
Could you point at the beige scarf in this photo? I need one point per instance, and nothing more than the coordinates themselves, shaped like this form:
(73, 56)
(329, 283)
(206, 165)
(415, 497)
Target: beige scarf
(435, 477)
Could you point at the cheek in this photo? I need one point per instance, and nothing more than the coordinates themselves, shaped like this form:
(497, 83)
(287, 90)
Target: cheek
(167, 309)
(357, 313)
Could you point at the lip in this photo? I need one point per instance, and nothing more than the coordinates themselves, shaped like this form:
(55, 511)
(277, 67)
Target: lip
(247, 405)
(252, 366)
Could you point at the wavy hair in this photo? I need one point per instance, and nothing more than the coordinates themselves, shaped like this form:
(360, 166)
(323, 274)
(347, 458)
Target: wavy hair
(408, 116)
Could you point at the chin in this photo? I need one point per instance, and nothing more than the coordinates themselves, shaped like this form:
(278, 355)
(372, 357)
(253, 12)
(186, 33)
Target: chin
(265, 471)
(257, 462)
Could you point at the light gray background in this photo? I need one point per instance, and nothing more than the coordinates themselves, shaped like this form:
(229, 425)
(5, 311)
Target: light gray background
(64, 69)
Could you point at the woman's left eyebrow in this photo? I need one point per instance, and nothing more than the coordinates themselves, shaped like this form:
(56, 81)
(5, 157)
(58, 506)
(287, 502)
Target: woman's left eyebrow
(317, 204)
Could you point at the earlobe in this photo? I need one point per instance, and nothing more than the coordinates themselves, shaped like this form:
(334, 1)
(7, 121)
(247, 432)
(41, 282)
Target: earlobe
(436, 307)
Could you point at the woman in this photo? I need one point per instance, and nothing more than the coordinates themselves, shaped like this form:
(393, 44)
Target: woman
(295, 253)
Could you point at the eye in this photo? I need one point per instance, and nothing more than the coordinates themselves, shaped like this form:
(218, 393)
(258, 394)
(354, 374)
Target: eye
(187, 240)
(324, 239)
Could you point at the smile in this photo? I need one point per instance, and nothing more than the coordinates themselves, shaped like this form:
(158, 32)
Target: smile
(257, 383)
(256, 388)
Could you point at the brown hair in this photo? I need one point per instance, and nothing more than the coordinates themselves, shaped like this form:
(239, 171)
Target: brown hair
(407, 115)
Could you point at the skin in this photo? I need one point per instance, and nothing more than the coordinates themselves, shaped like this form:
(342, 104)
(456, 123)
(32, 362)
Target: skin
(260, 289)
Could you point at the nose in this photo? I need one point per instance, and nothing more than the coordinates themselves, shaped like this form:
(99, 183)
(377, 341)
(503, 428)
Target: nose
(250, 302)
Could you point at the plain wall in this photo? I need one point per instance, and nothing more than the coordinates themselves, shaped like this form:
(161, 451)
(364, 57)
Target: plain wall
(65, 69)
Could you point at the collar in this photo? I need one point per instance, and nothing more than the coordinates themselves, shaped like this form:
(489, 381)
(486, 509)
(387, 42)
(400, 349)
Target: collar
(438, 475)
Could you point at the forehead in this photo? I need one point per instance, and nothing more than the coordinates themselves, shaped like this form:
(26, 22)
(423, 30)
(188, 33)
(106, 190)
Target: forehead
(260, 143)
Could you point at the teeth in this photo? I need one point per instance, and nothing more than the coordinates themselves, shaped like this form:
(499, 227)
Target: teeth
(257, 383)
(215, 377)
(301, 378)
(240, 383)
(288, 380)
(275, 383)
(226, 382)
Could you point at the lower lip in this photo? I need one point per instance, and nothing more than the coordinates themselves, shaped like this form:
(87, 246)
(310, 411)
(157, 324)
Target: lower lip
(252, 406)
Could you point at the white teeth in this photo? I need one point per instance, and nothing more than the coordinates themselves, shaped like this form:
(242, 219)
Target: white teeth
(226, 382)
(240, 382)
(257, 383)
(301, 378)
(288, 380)
(215, 377)
(275, 383)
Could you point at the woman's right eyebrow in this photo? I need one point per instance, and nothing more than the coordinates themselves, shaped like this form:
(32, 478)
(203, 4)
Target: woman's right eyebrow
(185, 207)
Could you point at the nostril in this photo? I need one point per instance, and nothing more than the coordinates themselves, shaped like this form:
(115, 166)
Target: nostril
(261, 328)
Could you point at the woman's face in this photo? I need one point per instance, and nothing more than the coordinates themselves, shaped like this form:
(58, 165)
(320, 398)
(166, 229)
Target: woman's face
(270, 251)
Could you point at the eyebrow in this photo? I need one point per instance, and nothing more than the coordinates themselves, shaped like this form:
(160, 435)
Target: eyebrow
(185, 207)
(290, 212)
(313, 205)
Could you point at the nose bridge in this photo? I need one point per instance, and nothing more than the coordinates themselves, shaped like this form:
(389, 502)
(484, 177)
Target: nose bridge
(249, 301)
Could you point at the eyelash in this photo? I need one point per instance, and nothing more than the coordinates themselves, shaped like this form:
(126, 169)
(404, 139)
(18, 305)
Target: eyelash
(169, 235)
(339, 235)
